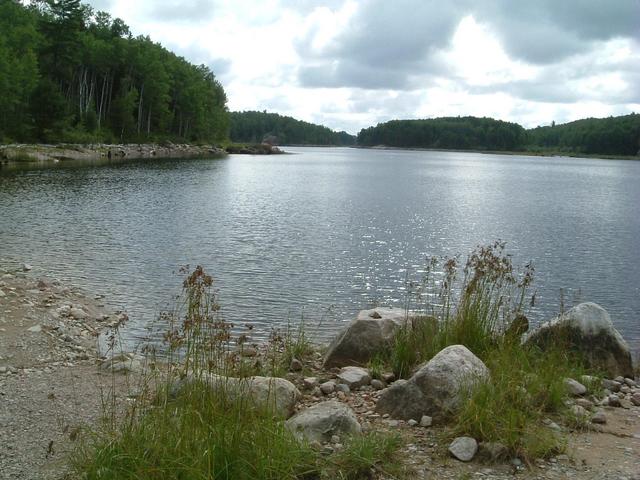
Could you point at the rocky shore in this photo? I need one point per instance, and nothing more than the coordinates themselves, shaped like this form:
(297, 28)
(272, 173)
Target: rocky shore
(62, 152)
(50, 380)
(91, 152)
(53, 381)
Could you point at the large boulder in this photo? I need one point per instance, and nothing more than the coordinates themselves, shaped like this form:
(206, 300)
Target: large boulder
(437, 389)
(369, 333)
(322, 421)
(274, 394)
(588, 330)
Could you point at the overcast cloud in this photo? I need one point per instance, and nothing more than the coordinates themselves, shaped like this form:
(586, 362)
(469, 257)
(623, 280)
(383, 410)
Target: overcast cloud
(351, 64)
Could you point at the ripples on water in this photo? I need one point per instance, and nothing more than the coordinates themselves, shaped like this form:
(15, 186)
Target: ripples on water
(325, 232)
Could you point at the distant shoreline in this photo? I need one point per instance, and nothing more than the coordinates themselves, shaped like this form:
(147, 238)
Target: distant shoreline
(525, 153)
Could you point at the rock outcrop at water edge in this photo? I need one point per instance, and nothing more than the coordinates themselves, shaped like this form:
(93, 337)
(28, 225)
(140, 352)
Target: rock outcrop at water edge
(437, 389)
(588, 330)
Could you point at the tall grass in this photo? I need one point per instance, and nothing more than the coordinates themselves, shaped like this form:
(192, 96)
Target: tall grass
(472, 305)
(182, 428)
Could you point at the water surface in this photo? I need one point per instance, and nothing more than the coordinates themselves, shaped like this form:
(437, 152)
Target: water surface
(325, 232)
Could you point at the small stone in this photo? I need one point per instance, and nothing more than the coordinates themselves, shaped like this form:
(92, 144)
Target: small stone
(599, 417)
(335, 439)
(388, 377)
(630, 382)
(516, 462)
(77, 313)
(614, 401)
(328, 387)
(342, 388)
(625, 389)
(584, 403)
(3, 370)
(26, 267)
(412, 423)
(635, 399)
(377, 384)
(619, 379)
(574, 387)
(464, 448)
(2, 294)
(310, 382)
(35, 329)
(296, 365)
(551, 424)
(426, 421)
(354, 377)
(579, 411)
(611, 385)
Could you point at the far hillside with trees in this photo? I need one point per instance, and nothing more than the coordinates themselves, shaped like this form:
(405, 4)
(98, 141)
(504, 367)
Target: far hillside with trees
(256, 127)
(592, 136)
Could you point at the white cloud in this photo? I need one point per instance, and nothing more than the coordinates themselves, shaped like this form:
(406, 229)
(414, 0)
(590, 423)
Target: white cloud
(350, 64)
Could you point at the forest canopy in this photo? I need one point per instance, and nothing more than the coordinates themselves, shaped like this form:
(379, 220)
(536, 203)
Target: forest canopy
(255, 127)
(69, 73)
(592, 136)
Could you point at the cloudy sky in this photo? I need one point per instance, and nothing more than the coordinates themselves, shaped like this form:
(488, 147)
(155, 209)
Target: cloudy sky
(351, 64)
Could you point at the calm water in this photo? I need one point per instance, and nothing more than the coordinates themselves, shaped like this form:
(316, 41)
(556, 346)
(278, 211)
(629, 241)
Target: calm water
(325, 232)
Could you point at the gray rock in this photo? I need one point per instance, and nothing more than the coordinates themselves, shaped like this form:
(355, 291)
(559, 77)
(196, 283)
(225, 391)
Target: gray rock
(274, 394)
(614, 401)
(611, 385)
(587, 329)
(26, 267)
(584, 403)
(354, 377)
(579, 412)
(77, 313)
(369, 333)
(492, 451)
(328, 387)
(412, 423)
(35, 329)
(599, 417)
(296, 365)
(464, 448)
(426, 421)
(378, 384)
(630, 382)
(574, 387)
(310, 382)
(341, 387)
(635, 399)
(437, 389)
(2, 294)
(322, 421)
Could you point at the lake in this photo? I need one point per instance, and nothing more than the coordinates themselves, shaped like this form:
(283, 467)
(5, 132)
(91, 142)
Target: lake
(325, 232)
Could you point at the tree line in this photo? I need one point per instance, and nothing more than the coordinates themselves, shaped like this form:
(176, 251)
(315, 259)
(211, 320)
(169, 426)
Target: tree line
(69, 73)
(604, 136)
(256, 127)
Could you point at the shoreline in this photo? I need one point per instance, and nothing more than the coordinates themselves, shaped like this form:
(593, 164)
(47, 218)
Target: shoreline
(53, 381)
(523, 153)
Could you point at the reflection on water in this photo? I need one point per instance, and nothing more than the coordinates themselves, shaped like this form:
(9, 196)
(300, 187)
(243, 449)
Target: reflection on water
(323, 233)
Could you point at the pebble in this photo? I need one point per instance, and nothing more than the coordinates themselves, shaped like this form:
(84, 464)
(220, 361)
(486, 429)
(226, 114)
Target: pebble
(426, 421)
(464, 448)
(412, 423)
(377, 384)
(574, 387)
(599, 417)
(341, 387)
(35, 329)
(635, 399)
(2, 294)
(296, 365)
(614, 401)
(328, 387)
(310, 382)
(26, 267)
(611, 385)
